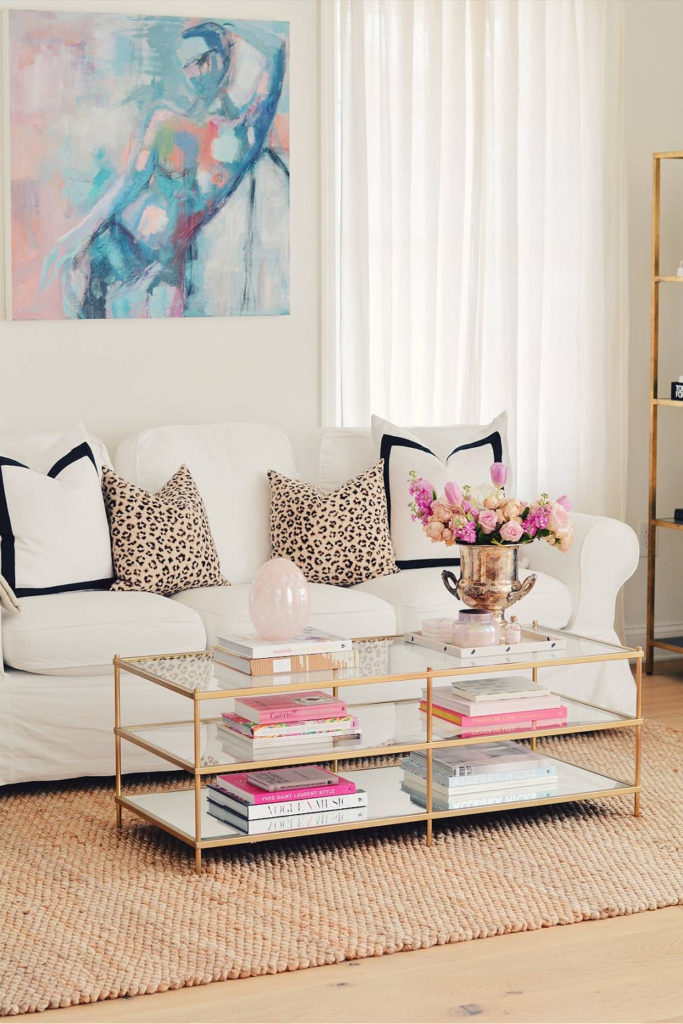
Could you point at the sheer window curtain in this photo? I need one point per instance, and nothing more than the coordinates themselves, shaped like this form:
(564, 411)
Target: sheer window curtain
(475, 234)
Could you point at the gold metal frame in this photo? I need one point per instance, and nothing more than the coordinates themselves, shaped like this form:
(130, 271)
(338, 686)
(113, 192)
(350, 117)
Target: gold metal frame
(655, 402)
(428, 816)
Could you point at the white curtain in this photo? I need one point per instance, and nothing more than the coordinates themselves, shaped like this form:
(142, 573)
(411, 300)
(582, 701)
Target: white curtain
(479, 242)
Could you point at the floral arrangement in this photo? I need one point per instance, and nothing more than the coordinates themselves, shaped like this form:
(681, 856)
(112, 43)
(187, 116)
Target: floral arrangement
(484, 515)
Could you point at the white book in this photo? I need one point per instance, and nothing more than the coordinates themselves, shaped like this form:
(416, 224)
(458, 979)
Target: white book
(444, 697)
(309, 641)
(289, 822)
(484, 799)
(286, 808)
(498, 688)
(419, 784)
(501, 756)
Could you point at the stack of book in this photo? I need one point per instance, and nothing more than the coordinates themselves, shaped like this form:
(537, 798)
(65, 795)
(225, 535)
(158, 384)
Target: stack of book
(312, 651)
(489, 707)
(280, 800)
(275, 725)
(493, 773)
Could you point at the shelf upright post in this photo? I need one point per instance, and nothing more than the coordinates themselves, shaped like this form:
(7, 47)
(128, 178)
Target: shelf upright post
(654, 364)
(117, 738)
(639, 728)
(534, 679)
(335, 762)
(430, 711)
(197, 786)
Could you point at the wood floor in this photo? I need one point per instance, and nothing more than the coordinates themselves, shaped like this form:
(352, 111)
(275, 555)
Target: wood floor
(626, 969)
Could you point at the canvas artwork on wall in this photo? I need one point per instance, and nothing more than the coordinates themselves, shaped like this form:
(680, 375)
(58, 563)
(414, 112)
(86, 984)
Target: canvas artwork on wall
(149, 166)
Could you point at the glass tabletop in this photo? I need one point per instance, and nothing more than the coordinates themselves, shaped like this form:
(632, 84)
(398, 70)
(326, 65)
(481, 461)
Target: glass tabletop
(380, 659)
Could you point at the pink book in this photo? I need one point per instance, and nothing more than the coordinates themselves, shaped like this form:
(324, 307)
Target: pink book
(290, 707)
(467, 721)
(239, 786)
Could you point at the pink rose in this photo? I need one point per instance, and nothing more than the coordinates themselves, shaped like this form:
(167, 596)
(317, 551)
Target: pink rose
(511, 532)
(488, 520)
(434, 530)
(447, 537)
(453, 493)
(566, 540)
(499, 474)
(492, 502)
(441, 512)
(559, 522)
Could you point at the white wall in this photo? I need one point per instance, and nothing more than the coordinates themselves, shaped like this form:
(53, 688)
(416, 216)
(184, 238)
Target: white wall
(654, 123)
(122, 375)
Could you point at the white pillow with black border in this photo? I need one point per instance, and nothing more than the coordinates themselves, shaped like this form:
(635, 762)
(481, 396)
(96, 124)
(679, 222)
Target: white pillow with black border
(467, 462)
(54, 534)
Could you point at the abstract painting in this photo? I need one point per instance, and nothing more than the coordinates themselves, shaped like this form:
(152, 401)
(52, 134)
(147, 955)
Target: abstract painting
(149, 166)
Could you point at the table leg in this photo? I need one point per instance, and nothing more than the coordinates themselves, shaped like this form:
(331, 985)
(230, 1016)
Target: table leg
(117, 738)
(534, 678)
(430, 709)
(197, 792)
(639, 728)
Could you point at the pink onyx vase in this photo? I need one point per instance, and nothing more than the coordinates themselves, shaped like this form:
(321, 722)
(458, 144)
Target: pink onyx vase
(279, 600)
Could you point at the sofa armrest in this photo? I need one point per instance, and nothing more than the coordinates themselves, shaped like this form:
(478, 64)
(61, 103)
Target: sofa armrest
(8, 605)
(603, 556)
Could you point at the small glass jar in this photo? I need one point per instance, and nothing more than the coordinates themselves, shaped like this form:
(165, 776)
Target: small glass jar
(438, 629)
(475, 628)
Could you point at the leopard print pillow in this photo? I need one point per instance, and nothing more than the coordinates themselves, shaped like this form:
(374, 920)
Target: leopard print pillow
(340, 537)
(160, 543)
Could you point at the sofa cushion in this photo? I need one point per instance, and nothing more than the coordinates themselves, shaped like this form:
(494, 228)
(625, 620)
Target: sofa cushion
(40, 451)
(418, 594)
(80, 632)
(348, 612)
(339, 537)
(334, 454)
(229, 462)
(161, 543)
(53, 525)
(403, 454)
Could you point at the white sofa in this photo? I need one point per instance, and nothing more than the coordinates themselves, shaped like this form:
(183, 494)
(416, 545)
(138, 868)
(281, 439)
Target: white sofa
(56, 693)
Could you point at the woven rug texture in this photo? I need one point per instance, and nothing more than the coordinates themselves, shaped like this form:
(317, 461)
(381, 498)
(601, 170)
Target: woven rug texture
(89, 913)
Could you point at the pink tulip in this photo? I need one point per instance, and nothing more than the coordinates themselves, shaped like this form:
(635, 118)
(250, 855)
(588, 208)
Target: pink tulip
(453, 494)
(499, 474)
(565, 503)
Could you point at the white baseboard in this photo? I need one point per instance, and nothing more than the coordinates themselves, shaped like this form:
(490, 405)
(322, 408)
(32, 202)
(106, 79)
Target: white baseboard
(635, 637)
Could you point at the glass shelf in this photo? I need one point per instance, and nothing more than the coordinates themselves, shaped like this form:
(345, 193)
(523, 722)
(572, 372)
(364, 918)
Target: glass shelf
(387, 804)
(198, 676)
(386, 727)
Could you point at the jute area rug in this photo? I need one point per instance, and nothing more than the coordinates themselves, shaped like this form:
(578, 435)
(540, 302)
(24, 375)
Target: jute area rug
(91, 914)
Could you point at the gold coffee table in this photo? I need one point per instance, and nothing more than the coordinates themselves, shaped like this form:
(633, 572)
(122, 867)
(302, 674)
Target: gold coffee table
(389, 726)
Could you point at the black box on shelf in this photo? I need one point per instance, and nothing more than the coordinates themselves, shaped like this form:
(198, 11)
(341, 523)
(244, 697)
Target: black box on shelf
(677, 390)
(678, 515)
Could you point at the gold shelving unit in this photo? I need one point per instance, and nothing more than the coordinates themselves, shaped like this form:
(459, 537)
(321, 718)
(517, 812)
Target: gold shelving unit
(674, 644)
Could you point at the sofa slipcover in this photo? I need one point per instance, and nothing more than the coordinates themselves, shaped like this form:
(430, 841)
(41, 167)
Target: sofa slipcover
(79, 633)
(348, 612)
(229, 462)
(419, 594)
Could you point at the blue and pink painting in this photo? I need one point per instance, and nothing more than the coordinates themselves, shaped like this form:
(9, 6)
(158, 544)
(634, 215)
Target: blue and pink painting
(149, 166)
